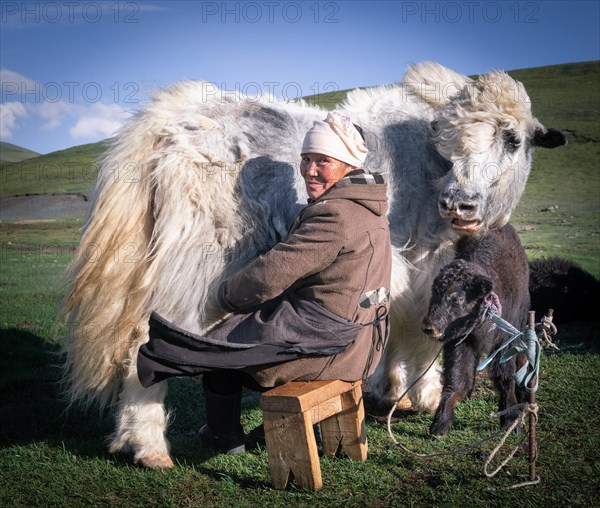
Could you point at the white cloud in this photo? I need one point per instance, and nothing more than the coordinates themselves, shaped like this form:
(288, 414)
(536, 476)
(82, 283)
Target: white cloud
(10, 79)
(53, 113)
(11, 109)
(23, 97)
(9, 113)
(100, 120)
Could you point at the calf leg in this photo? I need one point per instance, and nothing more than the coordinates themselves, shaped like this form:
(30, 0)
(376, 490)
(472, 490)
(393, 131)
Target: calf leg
(503, 376)
(460, 362)
(522, 395)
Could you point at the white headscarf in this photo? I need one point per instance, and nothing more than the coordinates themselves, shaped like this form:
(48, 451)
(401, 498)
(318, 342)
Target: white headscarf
(337, 137)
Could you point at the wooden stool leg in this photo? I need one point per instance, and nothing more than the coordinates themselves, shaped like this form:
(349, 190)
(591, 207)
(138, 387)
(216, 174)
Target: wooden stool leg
(292, 448)
(347, 430)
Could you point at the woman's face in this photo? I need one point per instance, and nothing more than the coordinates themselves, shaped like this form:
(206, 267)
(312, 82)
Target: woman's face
(321, 172)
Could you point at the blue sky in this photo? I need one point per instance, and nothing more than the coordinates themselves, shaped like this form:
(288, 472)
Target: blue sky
(73, 71)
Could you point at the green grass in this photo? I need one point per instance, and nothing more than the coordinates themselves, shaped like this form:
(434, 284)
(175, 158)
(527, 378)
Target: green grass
(33, 257)
(14, 153)
(72, 170)
(55, 455)
(559, 212)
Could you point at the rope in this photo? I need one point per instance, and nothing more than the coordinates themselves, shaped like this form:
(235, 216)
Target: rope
(516, 485)
(532, 411)
(520, 420)
(546, 330)
(530, 370)
(455, 451)
(378, 338)
(505, 326)
(525, 409)
(438, 454)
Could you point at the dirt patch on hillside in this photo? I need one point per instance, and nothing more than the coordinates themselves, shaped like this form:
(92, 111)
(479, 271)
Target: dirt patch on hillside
(43, 206)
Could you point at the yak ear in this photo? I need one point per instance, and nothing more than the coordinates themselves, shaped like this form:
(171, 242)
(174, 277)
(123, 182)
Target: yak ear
(550, 138)
(481, 286)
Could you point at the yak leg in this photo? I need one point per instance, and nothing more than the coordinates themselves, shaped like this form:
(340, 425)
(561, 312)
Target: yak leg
(142, 422)
(406, 360)
(409, 356)
(460, 364)
(424, 371)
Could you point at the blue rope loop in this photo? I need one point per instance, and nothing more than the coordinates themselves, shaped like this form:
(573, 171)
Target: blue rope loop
(528, 373)
(506, 327)
(530, 347)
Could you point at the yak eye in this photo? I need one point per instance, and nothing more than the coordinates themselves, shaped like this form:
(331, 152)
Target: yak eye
(455, 299)
(511, 141)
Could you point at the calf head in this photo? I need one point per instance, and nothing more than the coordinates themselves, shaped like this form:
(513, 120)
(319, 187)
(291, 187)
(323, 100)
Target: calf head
(458, 301)
(488, 133)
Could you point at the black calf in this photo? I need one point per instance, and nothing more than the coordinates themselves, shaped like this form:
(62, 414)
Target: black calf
(494, 264)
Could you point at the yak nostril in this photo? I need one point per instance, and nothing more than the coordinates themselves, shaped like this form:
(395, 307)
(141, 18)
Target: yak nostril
(429, 329)
(464, 207)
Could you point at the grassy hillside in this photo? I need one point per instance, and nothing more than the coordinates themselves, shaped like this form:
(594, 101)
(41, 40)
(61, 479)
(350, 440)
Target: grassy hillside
(566, 97)
(65, 171)
(559, 213)
(550, 89)
(14, 153)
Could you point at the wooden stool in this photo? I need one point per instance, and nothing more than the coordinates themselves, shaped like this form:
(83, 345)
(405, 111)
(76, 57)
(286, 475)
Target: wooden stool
(289, 412)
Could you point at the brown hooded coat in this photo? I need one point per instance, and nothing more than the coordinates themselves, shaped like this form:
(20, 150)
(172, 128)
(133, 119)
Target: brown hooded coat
(332, 273)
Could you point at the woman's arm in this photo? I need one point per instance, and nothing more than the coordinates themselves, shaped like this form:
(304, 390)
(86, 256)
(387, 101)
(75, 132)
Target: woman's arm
(309, 249)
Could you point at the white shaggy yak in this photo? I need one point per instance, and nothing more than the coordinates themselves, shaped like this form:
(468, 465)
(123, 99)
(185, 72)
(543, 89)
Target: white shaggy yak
(201, 182)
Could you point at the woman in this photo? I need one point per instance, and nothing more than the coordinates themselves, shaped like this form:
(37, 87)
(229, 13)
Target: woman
(314, 307)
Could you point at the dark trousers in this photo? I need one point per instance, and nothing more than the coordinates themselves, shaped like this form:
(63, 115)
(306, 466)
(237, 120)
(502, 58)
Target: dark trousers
(226, 381)
(223, 402)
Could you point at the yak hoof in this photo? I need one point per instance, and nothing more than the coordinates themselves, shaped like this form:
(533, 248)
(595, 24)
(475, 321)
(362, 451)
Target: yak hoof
(440, 428)
(516, 431)
(404, 404)
(156, 461)
(507, 422)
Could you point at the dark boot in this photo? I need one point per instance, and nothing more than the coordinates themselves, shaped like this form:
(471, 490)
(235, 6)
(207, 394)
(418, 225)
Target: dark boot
(223, 431)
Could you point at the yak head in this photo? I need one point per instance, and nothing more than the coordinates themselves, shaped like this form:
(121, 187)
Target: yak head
(458, 301)
(488, 134)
